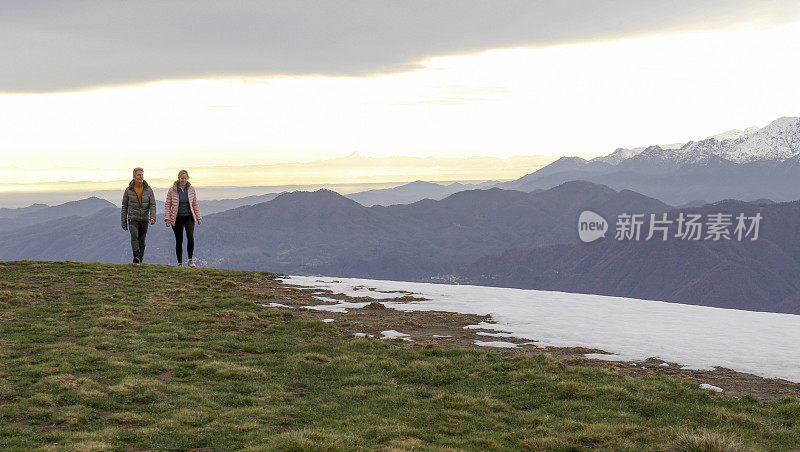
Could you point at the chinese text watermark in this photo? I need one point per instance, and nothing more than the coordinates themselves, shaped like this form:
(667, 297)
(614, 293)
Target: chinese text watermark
(686, 226)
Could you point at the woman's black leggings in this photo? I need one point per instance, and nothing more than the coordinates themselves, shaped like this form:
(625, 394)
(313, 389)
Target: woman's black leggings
(184, 222)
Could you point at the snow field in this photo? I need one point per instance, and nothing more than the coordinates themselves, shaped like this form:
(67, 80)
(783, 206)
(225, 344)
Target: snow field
(696, 337)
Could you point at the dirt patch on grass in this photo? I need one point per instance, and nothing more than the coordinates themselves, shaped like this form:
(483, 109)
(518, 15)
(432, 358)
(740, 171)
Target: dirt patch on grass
(446, 329)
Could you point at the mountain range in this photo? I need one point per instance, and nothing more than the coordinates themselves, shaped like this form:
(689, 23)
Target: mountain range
(759, 274)
(764, 163)
(621, 154)
(412, 192)
(11, 219)
(323, 232)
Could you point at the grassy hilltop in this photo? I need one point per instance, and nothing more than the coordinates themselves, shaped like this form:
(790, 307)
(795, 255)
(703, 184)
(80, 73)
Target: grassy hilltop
(122, 357)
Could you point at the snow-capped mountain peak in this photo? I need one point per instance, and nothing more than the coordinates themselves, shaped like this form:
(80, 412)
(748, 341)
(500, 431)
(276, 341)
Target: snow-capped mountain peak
(617, 156)
(735, 134)
(779, 140)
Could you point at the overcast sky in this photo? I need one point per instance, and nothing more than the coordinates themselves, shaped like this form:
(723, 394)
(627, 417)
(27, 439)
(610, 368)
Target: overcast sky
(63, 45)
(89, 89)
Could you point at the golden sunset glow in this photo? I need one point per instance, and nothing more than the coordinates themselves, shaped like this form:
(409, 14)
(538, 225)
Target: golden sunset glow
(579, 99)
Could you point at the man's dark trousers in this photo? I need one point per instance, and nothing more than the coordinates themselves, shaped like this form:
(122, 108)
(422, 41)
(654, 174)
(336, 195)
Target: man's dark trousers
(138, 230)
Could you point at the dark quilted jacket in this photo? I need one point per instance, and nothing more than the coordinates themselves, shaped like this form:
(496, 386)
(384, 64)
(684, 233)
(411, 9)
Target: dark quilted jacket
(132, 209)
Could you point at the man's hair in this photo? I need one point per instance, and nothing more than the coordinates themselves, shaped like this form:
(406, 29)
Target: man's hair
(138, 168)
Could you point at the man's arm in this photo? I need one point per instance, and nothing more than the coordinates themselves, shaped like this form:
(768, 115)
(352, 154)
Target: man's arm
(125, 211)
(152, 206)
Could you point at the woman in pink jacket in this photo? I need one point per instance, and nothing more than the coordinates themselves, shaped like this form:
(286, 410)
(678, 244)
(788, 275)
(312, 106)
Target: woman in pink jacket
(181, 212)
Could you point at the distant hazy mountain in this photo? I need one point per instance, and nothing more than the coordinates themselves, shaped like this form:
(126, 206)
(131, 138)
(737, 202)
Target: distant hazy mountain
(763, 163)
(692, 203)
(408, 193)
(323, 232)
(581, 168)
(404, 194)
(759, 275)
(39, 213)
(221, 205)
(14, 213)
(208, 207)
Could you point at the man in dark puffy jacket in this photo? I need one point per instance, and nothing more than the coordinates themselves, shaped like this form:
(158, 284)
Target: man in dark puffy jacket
(138, 212)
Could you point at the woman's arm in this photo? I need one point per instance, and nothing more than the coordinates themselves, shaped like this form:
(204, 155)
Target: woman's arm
(168, 206)
(196, 207)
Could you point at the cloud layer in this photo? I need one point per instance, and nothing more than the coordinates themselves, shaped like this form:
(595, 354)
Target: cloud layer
(52, 46)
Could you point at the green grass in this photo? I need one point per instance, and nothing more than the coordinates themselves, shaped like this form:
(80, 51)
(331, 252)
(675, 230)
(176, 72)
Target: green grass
(112, 357)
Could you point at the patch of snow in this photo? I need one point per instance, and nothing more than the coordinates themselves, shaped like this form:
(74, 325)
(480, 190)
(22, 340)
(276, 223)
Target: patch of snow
(442, 335)
(605, 357)
(341, 306)
(711, 387)
(694, 337)
(392, 334)
(484, 333)
(362, 335)
(365, 289)
(499, 344)
(378, 295)
(327, 299)
(663, 365)
(276, 305)
(328, 320)
(484, 326)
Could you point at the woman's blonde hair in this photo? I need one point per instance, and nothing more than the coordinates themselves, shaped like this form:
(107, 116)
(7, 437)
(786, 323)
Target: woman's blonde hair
(182, 172)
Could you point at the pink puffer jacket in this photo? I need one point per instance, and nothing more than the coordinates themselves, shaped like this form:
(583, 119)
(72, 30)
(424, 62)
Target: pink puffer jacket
(171, 208)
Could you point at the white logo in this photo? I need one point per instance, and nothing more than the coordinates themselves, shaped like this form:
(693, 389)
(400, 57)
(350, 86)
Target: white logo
(591, 226)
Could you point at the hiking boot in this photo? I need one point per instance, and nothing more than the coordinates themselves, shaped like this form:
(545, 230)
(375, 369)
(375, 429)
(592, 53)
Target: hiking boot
(179, 264)
(136, 260)
(191, 263)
